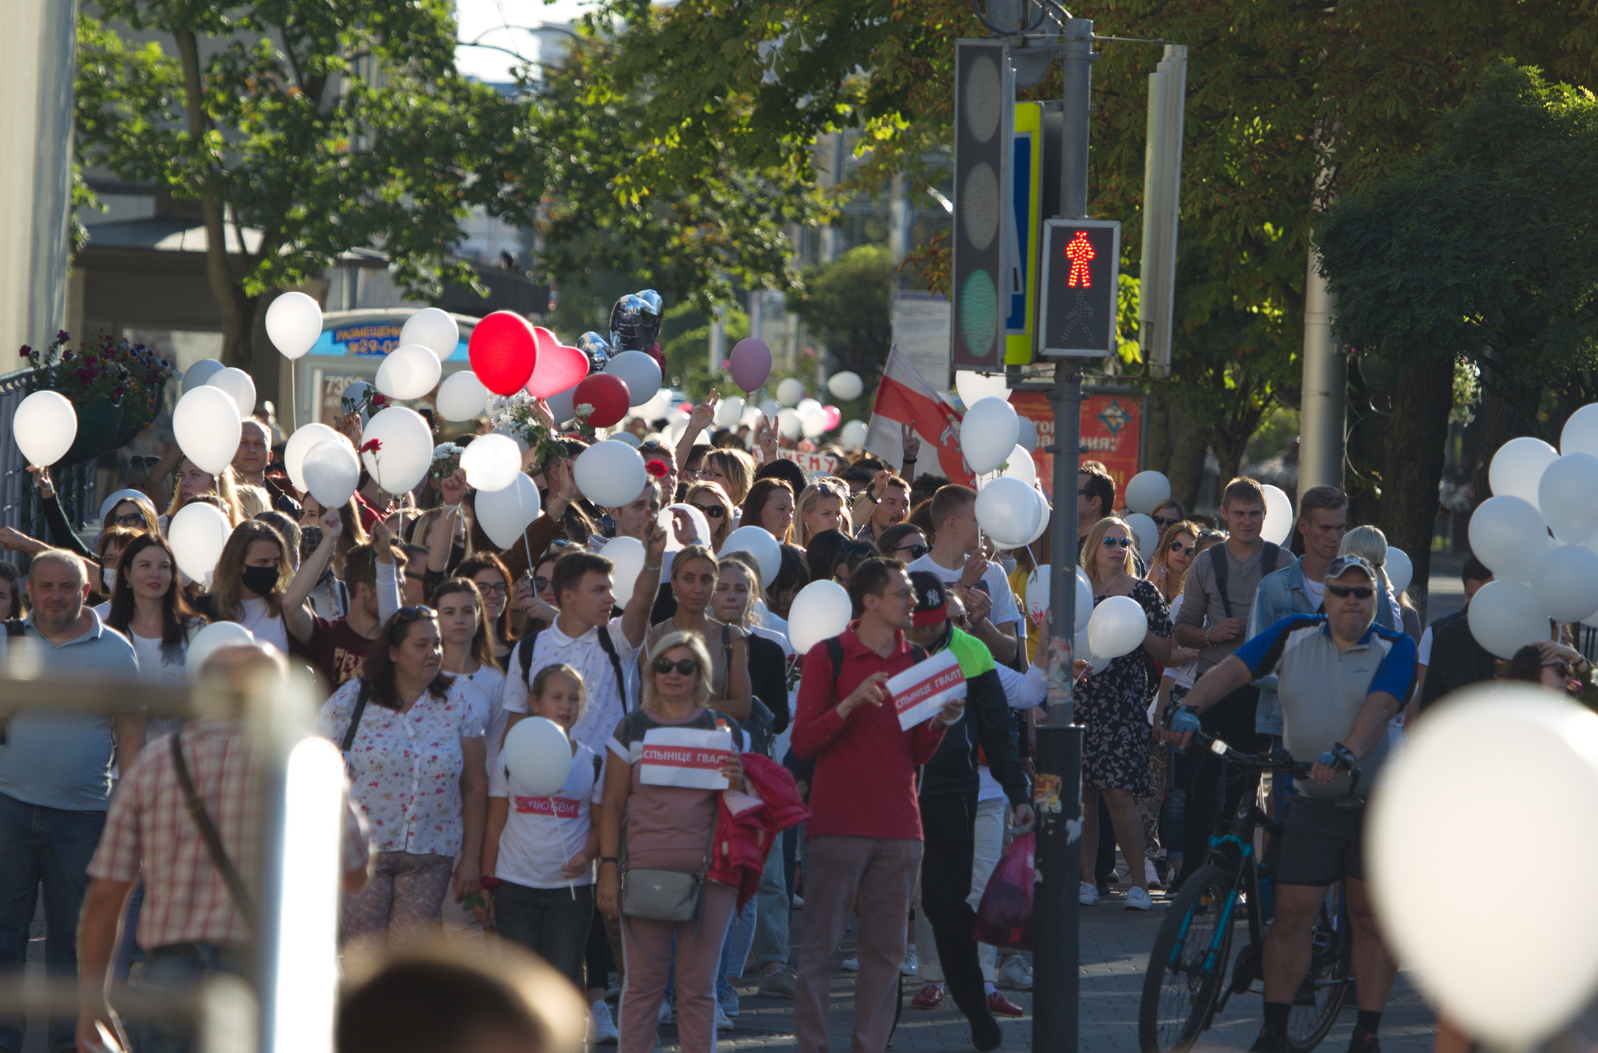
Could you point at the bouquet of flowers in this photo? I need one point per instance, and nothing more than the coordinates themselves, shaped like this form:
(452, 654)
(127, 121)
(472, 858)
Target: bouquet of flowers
(522, 419)
(446, 461)
(366, 402)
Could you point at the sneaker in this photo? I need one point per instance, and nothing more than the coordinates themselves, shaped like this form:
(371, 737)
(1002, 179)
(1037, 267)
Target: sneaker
(729, 1004)
(1138, 899)
(601, 1026)
(999, 1005)
(723, 1021)
(851, 965)
(778, 984)
(1014, 972)
(798, 903)
(1269, 1043)
(1088, 894)
(911, 964)
(1364, 1042)
(929, 997)
(1151, 876)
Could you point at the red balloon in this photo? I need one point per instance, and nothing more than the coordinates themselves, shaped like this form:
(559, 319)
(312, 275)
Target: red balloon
(609, 396)
(559, 367)
(503, 351)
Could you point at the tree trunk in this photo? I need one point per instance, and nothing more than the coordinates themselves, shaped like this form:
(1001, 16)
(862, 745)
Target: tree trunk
(237, 311)
(1412, 456)
(1230, 456)
(1186, 470)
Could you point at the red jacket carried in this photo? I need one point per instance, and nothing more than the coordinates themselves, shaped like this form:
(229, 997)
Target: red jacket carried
(748, 822)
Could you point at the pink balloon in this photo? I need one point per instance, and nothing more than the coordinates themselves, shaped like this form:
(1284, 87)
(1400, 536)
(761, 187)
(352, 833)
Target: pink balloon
(750, 363)
(559, 367)
(833, 416)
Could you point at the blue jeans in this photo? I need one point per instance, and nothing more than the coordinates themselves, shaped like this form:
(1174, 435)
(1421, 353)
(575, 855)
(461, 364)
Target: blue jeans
(771, 917)
(734, 950)
(52, 847)
(180, 971)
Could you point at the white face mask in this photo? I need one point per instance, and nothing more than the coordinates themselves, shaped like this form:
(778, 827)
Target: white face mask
(108, 578)
(1008, 564)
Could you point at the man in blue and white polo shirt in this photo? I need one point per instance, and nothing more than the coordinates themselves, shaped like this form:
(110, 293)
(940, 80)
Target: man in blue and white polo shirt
(1341, 679)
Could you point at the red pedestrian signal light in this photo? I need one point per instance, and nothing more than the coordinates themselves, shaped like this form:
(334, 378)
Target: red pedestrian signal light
(1077, 301)
(1079, 251)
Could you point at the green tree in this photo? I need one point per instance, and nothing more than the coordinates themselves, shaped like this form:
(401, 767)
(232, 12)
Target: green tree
(326, 125)
(848, 306)
(1487, 246)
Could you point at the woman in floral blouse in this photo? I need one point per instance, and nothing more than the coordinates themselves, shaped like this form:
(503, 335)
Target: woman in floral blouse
(417, 765)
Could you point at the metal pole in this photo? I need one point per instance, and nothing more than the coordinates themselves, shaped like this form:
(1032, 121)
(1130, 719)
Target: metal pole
(1321, 407)
(1058, 794)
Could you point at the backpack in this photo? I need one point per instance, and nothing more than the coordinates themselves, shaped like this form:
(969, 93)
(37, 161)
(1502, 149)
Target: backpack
(525, 658)
(1218, 564)
(805, 770)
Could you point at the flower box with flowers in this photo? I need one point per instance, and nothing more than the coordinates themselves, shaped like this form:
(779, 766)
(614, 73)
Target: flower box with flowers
(113, 385)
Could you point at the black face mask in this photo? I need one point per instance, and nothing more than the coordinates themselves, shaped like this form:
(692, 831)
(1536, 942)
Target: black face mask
(260, 580)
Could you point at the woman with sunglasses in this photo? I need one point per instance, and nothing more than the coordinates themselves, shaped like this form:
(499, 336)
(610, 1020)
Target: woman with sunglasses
(904, 541)
(418, 765)
(693, 585)
(124, 508)
(667, 828)
(712, 501)
(822, 506)
(770, 506)
(1167, 514)
(1111, 706)
(833, 556)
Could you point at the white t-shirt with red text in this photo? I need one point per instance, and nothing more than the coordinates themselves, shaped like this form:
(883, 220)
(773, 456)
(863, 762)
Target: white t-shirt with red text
(536, 828)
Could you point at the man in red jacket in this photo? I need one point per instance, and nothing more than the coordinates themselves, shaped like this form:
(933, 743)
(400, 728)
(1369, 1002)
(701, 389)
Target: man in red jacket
(865, 825)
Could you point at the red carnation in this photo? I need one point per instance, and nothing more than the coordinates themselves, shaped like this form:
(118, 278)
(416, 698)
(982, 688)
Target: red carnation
(657, 468)
(372, 446)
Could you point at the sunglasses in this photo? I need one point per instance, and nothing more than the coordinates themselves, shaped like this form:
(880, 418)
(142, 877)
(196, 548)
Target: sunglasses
(713, 511)
(1116, 542)
(685, 666)
(916, 551)
(1359, 592)
(1187, 550)
(540, 584)
(1165, 521)
(132, 519)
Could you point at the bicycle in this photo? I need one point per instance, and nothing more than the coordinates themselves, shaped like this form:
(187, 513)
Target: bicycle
(1186, 983)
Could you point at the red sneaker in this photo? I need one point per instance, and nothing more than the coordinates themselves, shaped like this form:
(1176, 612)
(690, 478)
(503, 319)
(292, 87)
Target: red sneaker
(999, 1005)
(929, 997)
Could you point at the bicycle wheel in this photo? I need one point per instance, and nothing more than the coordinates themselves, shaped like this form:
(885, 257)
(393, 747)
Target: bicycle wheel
(1321, 995)
(1178, 992)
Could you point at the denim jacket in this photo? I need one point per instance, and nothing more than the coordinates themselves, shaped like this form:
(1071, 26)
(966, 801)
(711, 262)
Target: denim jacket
(1280, 594)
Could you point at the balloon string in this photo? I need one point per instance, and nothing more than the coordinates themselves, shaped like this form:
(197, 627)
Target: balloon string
(566, 857)
(294, 412)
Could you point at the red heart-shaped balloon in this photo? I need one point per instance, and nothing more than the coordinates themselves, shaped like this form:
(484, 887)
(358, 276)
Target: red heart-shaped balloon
(608, 394)
(503, 351)
(559, 366)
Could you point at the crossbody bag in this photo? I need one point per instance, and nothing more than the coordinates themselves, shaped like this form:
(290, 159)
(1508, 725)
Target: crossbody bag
(208, 833)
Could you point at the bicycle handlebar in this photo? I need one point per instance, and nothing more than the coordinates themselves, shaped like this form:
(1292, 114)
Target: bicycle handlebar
(1282, 762)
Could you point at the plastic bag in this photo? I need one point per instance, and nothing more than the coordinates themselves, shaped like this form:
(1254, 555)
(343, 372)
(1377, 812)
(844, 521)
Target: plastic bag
(1004, 917)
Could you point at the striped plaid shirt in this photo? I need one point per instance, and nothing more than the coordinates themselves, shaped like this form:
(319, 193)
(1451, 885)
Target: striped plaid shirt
(149, 829)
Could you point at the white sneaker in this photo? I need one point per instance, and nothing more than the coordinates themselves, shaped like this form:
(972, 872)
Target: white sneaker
(729, 1005)
(911, 964)
(1150, 876)
(1138, 899)
(1088, 894)
(601, 1027)
(1014, 972)
(851, 965)
(798, 903)
(723, 1021)
(665, 1011)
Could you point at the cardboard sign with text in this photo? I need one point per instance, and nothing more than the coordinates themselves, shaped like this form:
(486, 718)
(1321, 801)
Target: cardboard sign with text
(685, 757)
(825, 463)
(923, 689)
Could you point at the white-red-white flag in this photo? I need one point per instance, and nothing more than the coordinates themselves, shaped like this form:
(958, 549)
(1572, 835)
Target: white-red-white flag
(905, 397)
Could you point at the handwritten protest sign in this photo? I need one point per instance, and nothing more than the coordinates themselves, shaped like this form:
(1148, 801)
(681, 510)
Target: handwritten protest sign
(923, 689)
(685, 757)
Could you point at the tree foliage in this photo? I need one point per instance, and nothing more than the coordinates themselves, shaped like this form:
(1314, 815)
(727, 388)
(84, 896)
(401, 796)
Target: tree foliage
(848, 306)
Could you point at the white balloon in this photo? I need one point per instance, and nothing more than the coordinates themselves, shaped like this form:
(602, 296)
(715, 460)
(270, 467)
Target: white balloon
(1117, 627)
(610, 474)
(206, 424)
(853, 435)
(1568, 496)
(1081, 646)
(639, 371)
(1146, 491)
(240, 387)
(758, 542)
(1580, 434)
(632, 440)
(1400, 569)
(820, 610)
(408, 372)
(1021, 466)
(1518, 466)
(988, 434)
(293, 324)
(44, 426)
(1278, 515)
(538, 755)
(1044, 514)
(1565, 583)
(1509, 619)
(628, 554)
(789, 424)
(491, 462)
(505, 514)
(973, 387)
(1507, 534)
(1007, 511)
(433, 329)
(1027, 434)
(813, 425)
(790, 391)
(806, 407)
(1535, 748)
(462, 396)
(770, 407)
(729, 412)
(846, 385)
(299, 444)
(197, 534)
(199, 373)
(406, 452)
(1037, 595)
(668, 523)
(562, 404)
(1146, 533)
(331, 472)
(1084, 600)
(209, 640)
(750, 417)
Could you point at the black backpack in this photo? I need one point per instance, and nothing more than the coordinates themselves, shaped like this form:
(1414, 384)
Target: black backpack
(525, 658)
(805, 770)
(1222, 570)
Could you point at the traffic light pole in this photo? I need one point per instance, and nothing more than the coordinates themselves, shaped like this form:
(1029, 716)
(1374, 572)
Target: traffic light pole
(1058, 790)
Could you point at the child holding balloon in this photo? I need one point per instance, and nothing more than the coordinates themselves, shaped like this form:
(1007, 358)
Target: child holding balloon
(540, 849)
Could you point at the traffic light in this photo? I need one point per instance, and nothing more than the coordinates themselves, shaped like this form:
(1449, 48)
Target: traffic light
(1081, 271)
(984, 108)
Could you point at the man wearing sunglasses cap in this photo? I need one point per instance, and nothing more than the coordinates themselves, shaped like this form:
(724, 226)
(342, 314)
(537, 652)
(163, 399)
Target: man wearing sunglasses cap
(1341, 678)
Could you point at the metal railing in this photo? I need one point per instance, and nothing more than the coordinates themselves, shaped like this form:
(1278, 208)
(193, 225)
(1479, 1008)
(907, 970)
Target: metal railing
(19, 508)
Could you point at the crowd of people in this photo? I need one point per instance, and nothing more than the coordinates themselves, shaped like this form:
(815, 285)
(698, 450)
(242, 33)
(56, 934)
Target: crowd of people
(432, 643)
